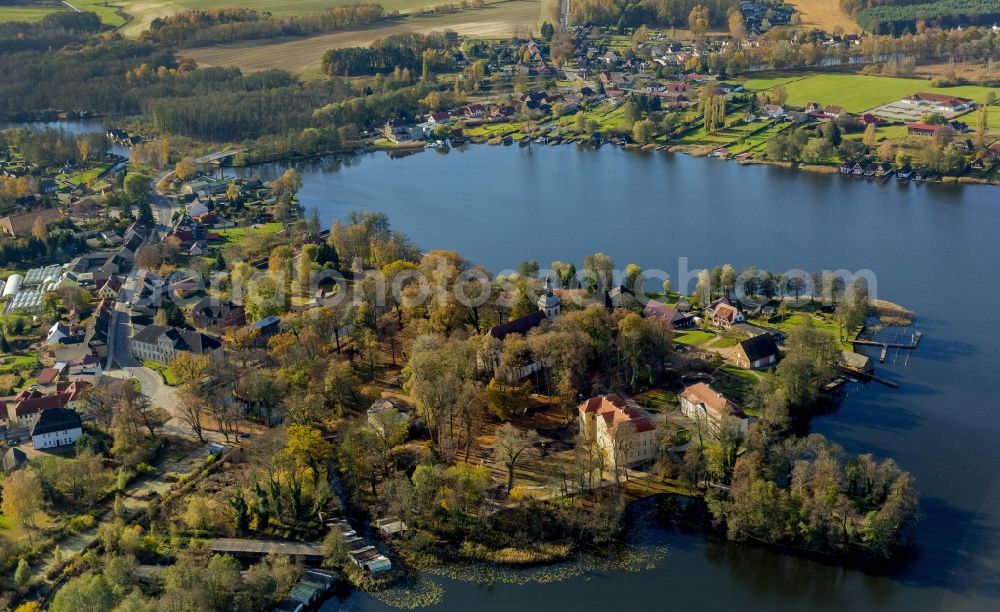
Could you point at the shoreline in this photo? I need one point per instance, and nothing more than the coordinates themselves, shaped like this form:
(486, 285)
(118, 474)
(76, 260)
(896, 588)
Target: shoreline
(413, 147)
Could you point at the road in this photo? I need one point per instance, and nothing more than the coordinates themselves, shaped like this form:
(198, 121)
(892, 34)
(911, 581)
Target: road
(163, 207)
(159, 393)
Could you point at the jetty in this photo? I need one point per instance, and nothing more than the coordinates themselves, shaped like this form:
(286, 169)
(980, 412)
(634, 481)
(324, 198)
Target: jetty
(912, 344)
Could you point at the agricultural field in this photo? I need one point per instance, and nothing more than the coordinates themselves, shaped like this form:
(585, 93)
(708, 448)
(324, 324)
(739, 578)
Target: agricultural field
(304, 55)
(106, 11)
(858, 93)
(24, 13)
(144, 11)
(825, 15)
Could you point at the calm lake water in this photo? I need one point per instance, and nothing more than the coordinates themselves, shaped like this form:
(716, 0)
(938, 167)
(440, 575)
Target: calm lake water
(931, 248)
(73, 128)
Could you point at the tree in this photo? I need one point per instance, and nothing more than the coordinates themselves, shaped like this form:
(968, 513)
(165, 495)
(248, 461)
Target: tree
(982, 125)
(88, 593)
(547, 31)
(699, 21)
(869, 136)
(22, 574)
(510, 443)
(779, 95)
(643, 131)
(598, 273)
(190, 408)
(185, 168)
(737, 29)
(22, 499)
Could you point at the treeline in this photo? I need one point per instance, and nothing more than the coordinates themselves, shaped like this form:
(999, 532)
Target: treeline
(213, 26)
(52, 31)
(54, 146)
(893, 19)
(634, 13)
(89, 79)
(224, 105)
(57, 243)
(387, 54)
(354, 61)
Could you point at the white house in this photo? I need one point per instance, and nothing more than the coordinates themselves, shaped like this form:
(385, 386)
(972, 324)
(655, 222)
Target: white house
(774, 111)
(705, 405)
(56, 427)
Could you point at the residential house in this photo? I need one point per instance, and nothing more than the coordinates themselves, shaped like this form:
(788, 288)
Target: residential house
(774, 111)
(725, 315)
(399, 131)
(48, 377)
(379, 407)
(109, 290)
(921, 129)
(832, 110)
(671, 315)
(56, 427)
(85, 365)
(212, 313)
(99, 329)
(707, 407)
(20, 225)
(755, 353)
(24, 409)
(162, 344)
(625, 433)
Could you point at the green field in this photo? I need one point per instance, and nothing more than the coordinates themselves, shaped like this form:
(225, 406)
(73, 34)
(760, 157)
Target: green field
(237, 235)
(858, 93)
(24, 13)
(106, 11)
(695, 337)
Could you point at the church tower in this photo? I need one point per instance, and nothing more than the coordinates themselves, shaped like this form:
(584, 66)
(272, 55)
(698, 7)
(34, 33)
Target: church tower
(549, 303)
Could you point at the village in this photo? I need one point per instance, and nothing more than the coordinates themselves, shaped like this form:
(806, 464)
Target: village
(143, 343)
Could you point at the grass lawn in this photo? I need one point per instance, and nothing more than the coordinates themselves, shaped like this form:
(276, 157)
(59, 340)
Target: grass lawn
(694, 337)
(87, 176)
(735, 383)
(856, 92)
(25, 13)
(9, 363)
(796, 319)
(236, 235)
(162, 370)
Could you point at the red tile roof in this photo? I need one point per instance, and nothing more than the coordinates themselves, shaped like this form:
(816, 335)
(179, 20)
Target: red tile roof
(616, 411)
(716, 404)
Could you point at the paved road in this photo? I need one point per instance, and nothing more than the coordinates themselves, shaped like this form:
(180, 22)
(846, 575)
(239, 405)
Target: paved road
(163, 207)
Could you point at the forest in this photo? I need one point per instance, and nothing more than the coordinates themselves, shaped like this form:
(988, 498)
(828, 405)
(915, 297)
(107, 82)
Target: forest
(208, 27)
(633, 13)
(52, 31)
(900, 17)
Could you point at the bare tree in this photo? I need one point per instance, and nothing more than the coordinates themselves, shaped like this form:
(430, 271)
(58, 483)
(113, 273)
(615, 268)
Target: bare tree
(509, 445)
(190, 410)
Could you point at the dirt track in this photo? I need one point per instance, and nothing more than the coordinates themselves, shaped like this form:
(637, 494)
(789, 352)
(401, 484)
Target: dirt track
(305, 54)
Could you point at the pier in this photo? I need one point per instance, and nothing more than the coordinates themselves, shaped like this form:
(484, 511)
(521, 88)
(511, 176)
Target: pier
(912, 344)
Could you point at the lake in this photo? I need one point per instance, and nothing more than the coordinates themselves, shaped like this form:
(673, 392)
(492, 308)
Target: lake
(930, 247)
(74, 128)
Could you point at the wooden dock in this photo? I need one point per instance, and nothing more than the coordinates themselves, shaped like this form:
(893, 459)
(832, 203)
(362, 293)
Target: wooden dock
(912, 344)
